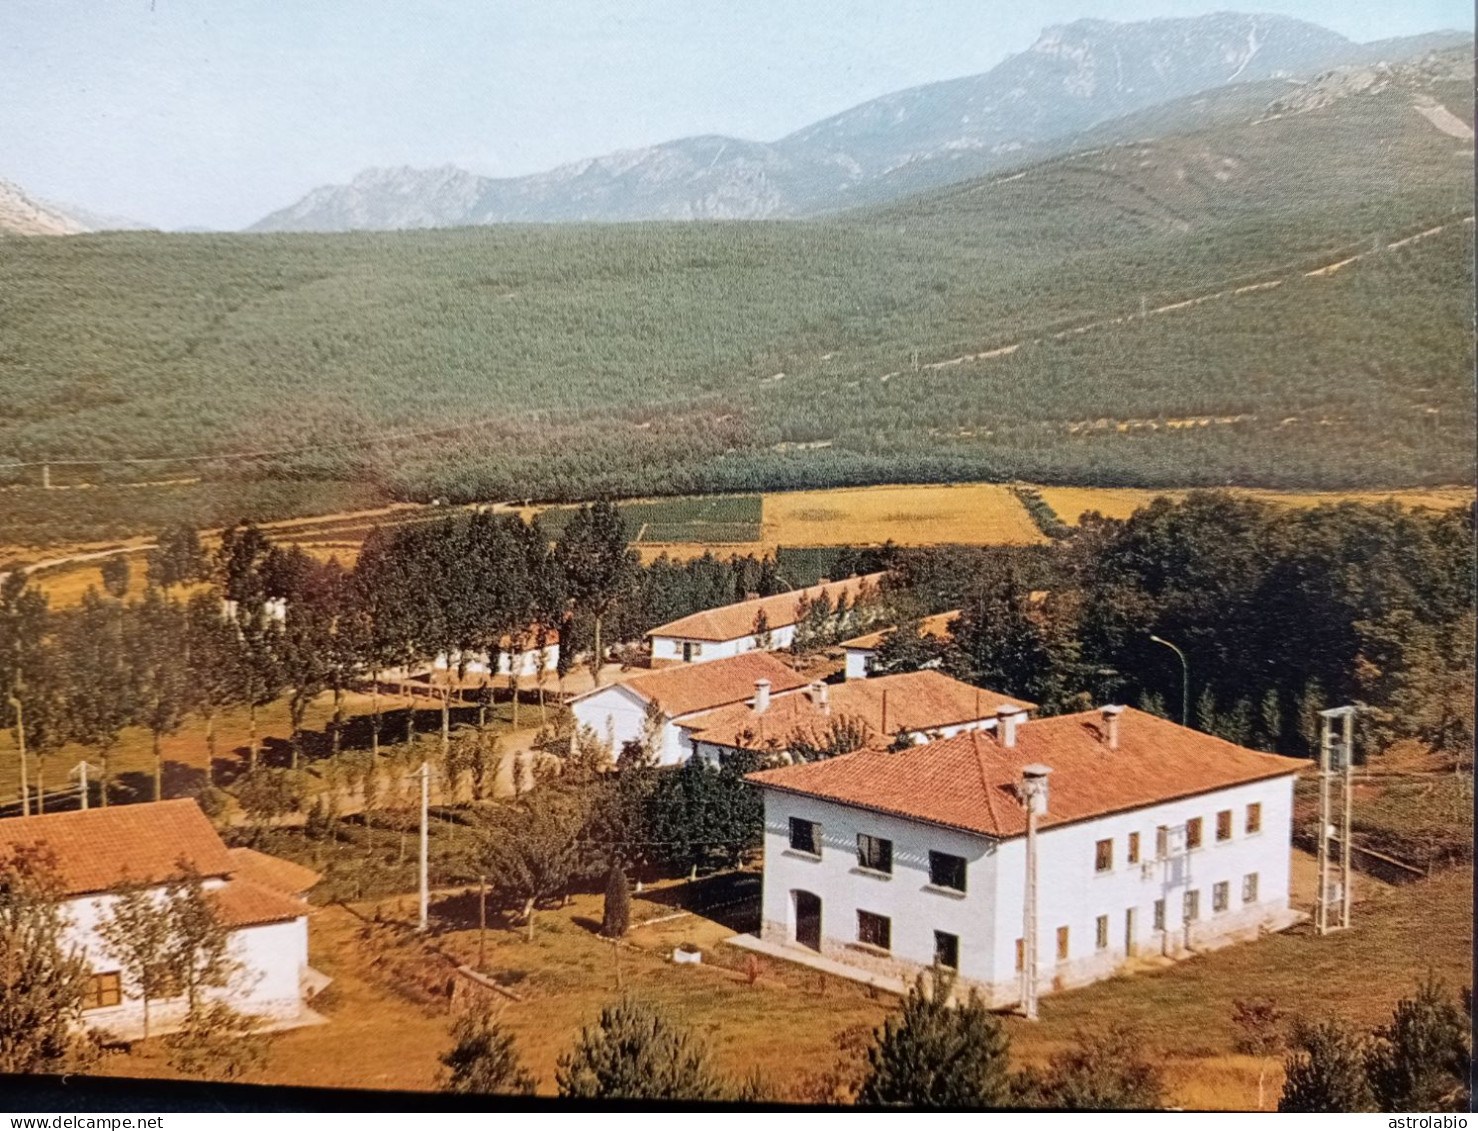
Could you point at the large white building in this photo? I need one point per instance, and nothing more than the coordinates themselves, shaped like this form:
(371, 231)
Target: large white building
(625, 711)
(717, 634)
(1155, 840)
(259, 898)
(922, 706)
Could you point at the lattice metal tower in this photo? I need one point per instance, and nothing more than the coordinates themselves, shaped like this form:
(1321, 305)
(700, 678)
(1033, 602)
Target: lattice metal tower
(1336, 768)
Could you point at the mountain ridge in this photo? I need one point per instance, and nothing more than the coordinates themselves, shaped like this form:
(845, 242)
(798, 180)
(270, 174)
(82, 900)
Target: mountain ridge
(1074, 77)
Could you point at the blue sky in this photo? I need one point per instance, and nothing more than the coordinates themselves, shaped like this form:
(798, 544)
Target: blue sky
(215, 112)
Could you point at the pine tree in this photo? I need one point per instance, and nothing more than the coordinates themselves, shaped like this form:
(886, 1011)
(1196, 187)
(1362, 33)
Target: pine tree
(1272, 720)
(1206, 718)
(42, 980)
(936, 1054)
(115, 576)
(1420, 1060)
(1327, 1070)
(637, 1053)
(483, 1059)
(616, 914)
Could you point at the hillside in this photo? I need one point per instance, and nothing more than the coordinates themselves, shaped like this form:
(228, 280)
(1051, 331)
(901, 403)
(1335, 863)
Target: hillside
(24, 215)
(563, 361)
(1032, 105)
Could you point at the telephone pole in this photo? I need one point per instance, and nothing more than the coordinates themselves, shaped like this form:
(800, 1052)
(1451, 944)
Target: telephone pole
(80, 772)
(425, 775)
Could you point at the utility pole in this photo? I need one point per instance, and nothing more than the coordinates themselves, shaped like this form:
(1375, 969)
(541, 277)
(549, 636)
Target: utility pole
(482, 923)
(80, 772)
(20, 742)
(1185, 681)
(1336, 761)
(425, 775)
(1034, 798)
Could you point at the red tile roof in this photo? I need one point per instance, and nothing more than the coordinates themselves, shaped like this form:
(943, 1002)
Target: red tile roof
(732, 622)
(702, 687)
(271, 871)
(936, 626)
(242, 903)
(99, 849)
(969, 782)
(914, 701)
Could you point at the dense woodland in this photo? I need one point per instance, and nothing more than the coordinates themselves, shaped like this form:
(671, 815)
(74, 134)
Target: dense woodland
(570, 362)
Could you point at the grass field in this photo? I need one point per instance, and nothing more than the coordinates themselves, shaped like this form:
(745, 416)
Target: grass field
(790, 1024)
(1071, 503)
(977, 513)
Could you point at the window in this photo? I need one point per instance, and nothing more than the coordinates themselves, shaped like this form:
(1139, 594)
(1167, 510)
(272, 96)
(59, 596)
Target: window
(1020, 954)
(1103, 856)
(691, 651)
(1254, 817)
(946, 871)
(1193, 833)
(1224, 825)
(1100, 937)
(874, 853)
(1192, 906)
(805, 836)
(103, 991)
(947, 950)
(1159, 914)
(1061, 944)
(1221, 896)
(1249, 888)
(1162, 842)
(874, 930)
(1134, 848)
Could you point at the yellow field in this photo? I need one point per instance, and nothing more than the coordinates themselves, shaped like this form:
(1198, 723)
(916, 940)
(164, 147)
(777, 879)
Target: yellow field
(977, 513)
(1071, 503)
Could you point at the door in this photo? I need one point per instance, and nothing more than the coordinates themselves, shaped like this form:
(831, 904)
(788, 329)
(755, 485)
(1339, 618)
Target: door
(687, 652)
(808, 919)
(1131, 932)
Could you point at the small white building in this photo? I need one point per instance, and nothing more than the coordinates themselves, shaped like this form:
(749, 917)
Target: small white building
(619, 712)
(922, 706)
(717, 634)
(259, 898)
(1156, 840)
(530, 657)
(861, 650)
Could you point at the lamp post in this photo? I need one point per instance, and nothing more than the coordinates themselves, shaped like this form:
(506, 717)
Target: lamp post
(1185, 681)
(1034, 798)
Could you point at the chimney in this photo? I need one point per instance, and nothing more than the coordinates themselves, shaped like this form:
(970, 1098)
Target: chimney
(1034, 786)
(761, 696)
(751, 596)
(824, 581)
(1008, 718)
(821, 696)
(1111, 715)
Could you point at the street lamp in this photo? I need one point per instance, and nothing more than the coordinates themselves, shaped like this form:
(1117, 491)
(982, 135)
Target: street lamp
(1034, 798)
(1185, 681)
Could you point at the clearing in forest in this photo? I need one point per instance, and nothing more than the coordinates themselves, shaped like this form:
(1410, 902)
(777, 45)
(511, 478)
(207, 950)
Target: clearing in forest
(1071, 503)
(975, 513)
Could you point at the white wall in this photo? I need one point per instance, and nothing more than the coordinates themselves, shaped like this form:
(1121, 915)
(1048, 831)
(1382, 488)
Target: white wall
(916, 908)
(618, 716)
(272, 957)
(669, 649)
(988, 918)
(858, 661)
(1072, 894)
(530, 662)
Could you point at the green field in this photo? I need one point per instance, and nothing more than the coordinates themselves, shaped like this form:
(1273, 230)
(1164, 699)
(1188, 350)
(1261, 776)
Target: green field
(560, 363)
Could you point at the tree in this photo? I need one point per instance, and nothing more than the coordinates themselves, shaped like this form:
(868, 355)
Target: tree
(157, 645)
(530, 846)
(616, 913)
(42, 981)
(238, 564)
(115, 576)
(483, 1059)
(1004, 640)
(219, 668)
(907, 649)
(96, 678)
(198, 951)
(1421, 1059)
(218, 1043)
(24, 681)
(842, 735)
(262, 643)
(1101, 1071)
(1327, 1070)
(637, 1053)
(177, 558)
(933, 1053)
(764, 639)
(1261, 1033)
(136, 931)
(597, 565)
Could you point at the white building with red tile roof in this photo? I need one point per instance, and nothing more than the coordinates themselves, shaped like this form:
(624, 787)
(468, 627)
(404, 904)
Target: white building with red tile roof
(924, 706)
(861, 650)
(618, 712)
(258, 898)
(1156, 840)
(729, 630)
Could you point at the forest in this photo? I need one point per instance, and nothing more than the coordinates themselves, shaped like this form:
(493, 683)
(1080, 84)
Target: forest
(572, 362)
